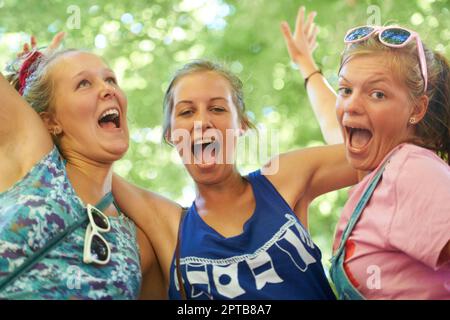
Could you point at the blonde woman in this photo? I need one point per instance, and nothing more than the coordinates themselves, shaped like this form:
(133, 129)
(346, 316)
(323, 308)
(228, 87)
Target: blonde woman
(393, 107)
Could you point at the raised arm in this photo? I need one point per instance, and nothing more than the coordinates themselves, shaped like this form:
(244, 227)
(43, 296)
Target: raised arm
(301, 46)
(305, 174)
(24, 139)
(157, 216)
(153, 284)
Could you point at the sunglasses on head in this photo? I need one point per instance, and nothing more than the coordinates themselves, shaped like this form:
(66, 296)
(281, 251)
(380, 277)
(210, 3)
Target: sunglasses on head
(394, 37)
(96, 248)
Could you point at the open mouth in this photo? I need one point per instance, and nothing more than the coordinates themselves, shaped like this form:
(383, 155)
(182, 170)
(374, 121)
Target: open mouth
(110, 119)
(358, 138)
(205, 151)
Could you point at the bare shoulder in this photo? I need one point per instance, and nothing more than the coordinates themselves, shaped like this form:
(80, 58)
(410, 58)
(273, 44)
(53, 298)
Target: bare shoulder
(309, 172)
(301, 161)
(147, 208)
(294, 166)
(164, 208)
(288, 173)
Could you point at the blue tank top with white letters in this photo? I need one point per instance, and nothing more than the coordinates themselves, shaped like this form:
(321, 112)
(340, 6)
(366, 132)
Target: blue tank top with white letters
(274, 257)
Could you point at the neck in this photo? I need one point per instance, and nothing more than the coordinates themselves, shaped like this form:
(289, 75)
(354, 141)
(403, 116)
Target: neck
(361, 174)
(90, 179)
(230, 188)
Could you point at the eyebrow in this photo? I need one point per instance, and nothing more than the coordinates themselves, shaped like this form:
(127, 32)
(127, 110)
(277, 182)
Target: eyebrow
(342, 77)
(84, 71)
(191, 102)
(375, 79)
(378, 79)
(218, 98)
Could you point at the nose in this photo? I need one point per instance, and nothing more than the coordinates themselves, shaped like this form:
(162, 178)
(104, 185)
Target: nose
(354, 104)
(107, 91)
(202, 120)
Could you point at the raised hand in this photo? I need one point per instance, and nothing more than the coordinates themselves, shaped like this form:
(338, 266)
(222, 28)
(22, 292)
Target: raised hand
(301, 46)
(56, 41)
(302, 43)
(26, 47)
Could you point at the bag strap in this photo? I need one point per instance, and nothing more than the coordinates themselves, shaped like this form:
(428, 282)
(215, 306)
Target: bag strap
(177, 256)
(38, 255)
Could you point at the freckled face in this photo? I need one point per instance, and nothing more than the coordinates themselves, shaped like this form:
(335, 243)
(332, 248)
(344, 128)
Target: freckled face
(373, 108)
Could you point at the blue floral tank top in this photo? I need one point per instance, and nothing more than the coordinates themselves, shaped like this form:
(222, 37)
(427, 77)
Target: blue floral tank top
(38, 208)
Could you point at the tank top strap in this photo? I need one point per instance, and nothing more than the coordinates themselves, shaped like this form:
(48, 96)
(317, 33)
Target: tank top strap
(265, 191)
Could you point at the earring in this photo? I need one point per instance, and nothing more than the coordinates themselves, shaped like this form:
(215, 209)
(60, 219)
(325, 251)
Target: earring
(56, 131)
(412, 120)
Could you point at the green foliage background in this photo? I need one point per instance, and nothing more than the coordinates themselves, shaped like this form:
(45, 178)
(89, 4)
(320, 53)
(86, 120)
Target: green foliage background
(145, 41)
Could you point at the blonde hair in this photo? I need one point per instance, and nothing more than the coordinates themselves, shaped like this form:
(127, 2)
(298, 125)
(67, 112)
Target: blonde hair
(433, 131)
(205, 66)
(39, 88)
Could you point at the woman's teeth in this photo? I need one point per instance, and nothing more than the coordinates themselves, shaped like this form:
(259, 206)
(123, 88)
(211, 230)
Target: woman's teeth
(110, 119)
(205, 150)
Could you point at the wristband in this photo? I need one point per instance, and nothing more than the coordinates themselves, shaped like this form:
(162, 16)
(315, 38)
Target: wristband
(308, 77)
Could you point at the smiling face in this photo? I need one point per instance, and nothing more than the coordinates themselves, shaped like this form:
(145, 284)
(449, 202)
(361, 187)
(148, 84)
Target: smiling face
(373, 108)
(90, 108)
(203, 125)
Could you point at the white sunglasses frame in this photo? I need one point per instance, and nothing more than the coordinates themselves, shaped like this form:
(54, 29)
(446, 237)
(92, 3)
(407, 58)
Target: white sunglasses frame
(94, 230)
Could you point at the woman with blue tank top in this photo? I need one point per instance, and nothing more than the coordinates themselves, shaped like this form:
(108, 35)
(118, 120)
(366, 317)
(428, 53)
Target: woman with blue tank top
(243, 237)
(61, 234)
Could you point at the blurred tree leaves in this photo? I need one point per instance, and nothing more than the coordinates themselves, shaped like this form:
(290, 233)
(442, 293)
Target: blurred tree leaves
(145, 41)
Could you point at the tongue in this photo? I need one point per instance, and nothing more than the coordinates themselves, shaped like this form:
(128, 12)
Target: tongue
(209, 156)
(205, 155)
(108, 125)
(360, 138)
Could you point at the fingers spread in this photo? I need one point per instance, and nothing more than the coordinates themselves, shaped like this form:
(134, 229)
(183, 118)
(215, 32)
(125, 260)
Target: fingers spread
(313, 35)
(300, 20)
(309, 23)
(288, 38)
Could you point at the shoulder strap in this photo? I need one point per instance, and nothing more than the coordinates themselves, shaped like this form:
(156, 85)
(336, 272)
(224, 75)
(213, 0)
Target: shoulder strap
(105, 201)
(38, 255)
(360, 207)
(177, 257)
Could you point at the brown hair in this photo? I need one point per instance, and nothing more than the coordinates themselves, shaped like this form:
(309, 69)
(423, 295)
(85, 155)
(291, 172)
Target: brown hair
(433, 131)
(204, 66)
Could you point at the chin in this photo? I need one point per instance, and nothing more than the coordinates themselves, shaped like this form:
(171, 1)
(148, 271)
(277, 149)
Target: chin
(361, 164)
(118, 150)
(206, 177)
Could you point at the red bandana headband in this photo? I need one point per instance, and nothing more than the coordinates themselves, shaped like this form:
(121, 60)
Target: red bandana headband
(26, 70)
